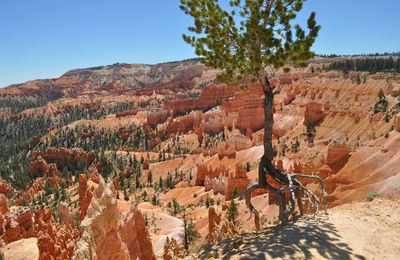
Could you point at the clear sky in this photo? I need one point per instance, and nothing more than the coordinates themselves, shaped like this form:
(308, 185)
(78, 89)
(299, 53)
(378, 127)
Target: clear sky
(45, 38)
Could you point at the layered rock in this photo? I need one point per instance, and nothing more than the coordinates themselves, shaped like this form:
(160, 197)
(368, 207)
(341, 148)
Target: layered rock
(133, 232)
(397, 123)
(337, 156)
(249, 104)
(226, 149)
(217, 184)
(180, 107)
(241, 142)
(104, 238)
(290, 96)
(313, 113)
(85, 193)
(3, 204)
(65, 157)
(65, 215)
(127, 113)
(54, 241)
(39, 168)
(3, 212)
(185, 123)
(157, 117)
(5, 188)
(237, 181)
(211, 96)
(214, 95)
(325, 171)
(213, 221)
(203, 171)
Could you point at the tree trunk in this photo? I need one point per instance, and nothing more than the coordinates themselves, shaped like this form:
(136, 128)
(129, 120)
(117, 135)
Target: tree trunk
(269, 120)
(268, 123)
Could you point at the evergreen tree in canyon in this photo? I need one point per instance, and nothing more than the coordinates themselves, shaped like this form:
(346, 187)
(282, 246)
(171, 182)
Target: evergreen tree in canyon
(256, 38)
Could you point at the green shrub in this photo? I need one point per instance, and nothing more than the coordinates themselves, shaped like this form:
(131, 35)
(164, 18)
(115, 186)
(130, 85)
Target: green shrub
(372, 195)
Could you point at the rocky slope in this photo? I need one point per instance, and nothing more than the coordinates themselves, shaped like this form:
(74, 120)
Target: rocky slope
(169, 139)
(107, 235)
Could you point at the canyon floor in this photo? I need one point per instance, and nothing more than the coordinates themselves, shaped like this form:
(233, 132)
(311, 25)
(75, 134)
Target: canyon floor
(366, 230)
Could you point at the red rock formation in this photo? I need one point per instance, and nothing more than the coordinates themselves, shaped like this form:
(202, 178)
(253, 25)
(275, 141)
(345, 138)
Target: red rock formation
(104, 238)
(85, 196)
(337, 156)
(217, 184)
(215, 122)
(214, 95)
(313, 113)
(185, 123)
(62, 156)
(172, 250)
(33, 190)
(65, 215)
(236, 181)
(180, 107)
(213, 220)
(203, 171)
(157, 117)
(397, 123)
(54, 241)
(325, 171)
(287, 80)
(241, 142)
(94, 175)
(3, 212)
(226, 150)
(210, 97)
(39, 168)
(290, 96)
(279, 164)
(18, 225)
(134, 234)
(251, 109)
(327, 106)
(5, 188)
(146, 165)
(127, 113)
(377, 117)
(154, 142)
(3, 205)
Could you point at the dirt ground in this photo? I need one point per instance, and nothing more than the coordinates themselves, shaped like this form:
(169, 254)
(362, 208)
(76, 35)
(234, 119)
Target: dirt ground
(367, 230)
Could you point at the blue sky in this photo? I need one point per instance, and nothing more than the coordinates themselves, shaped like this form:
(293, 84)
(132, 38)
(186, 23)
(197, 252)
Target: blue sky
(45, 38)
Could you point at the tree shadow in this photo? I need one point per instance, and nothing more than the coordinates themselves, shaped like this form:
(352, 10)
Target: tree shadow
(304, 239)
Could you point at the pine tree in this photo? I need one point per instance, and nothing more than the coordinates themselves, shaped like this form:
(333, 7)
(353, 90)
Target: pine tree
(175, 206)
(150, 178)
(382, 104)
(253, 38)
(233, 212)
(190, 233)
(248, 166)
(160, 183)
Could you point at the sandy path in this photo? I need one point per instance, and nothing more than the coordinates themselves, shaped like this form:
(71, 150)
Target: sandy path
(353, 231)
(161, 226)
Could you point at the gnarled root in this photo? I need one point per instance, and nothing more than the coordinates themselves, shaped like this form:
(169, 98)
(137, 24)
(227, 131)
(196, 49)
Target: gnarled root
(249, 190)
(292, 186)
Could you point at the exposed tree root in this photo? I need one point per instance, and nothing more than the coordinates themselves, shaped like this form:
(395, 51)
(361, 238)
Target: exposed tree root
(292, 186)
